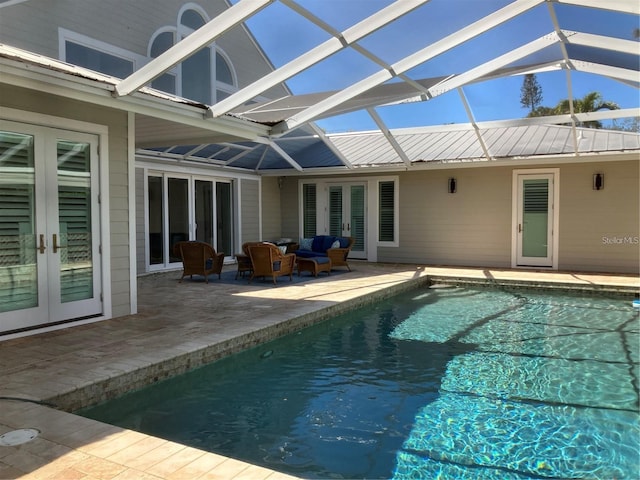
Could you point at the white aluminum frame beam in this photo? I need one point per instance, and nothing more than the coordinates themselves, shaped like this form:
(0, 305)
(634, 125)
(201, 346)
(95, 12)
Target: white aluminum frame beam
(447, 43)
(389, 136)
(340, 41)
(624, 6)
(190, 45)
(474, 124)
(330, 145)
(269, 142)
(488, 67)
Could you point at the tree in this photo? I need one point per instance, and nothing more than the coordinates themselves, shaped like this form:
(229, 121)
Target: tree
(591, 102)
(530, 93)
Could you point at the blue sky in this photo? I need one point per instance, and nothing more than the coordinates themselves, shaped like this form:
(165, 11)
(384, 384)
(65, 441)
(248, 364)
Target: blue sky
(284, 34)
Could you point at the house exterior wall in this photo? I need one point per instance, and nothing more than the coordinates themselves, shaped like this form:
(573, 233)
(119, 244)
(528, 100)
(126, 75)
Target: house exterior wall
(249, 213)
(599, 229)
(271, 208)
(469, 227)
(289, 212)
(130, 26)
(116, 121)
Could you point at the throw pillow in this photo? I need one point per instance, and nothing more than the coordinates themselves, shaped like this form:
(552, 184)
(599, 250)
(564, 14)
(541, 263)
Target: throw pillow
(305, 243)
(336, 244)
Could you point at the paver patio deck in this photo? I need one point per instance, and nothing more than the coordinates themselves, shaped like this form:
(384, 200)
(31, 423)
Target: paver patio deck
(181, 326)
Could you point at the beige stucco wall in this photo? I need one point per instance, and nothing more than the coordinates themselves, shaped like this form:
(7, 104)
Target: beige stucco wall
(116, 121)
(289, 216)
(249, 213)
(599, 229)
(271, 220)
(469, 227)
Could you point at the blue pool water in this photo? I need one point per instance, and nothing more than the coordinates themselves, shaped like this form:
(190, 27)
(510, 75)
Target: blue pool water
(448, 383)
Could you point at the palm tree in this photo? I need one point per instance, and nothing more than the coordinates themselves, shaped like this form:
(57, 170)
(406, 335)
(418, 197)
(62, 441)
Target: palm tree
(591, 102)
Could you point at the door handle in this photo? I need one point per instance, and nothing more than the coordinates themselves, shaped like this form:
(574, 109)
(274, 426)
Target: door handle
(519, 228)
(56, 247)
(41, 247)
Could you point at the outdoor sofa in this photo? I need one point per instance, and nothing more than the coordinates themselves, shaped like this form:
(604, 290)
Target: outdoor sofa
(326, 246)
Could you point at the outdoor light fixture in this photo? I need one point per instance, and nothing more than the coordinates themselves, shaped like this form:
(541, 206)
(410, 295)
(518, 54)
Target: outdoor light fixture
(598, 181)
(452, 185)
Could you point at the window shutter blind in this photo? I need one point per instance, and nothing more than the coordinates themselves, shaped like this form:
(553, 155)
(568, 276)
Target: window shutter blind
(17, 210)
(536, 196)
(386, 209)
(335, 211)
(309, 210)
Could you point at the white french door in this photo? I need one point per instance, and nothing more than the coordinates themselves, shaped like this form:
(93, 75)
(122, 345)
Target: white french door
(50, 265)
(347, 215)
(536, 219)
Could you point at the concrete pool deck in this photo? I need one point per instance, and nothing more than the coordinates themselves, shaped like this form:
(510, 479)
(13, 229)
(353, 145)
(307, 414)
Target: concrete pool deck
(178, 327)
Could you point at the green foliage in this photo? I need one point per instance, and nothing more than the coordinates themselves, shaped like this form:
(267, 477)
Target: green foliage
(530, 93)
(591, 102)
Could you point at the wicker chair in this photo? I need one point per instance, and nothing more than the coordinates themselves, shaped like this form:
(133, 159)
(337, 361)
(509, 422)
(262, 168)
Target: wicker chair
(244, 260)
(339, 256)
(199, 258)
(268, 261)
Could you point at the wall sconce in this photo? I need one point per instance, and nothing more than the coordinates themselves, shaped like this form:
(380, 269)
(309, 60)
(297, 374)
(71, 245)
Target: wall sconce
(280, 182)
(452, 185)
(598, 181)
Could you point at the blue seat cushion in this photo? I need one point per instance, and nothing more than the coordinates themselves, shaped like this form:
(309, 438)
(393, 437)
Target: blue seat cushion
(344, 242)
(321, 260)
(309, 254)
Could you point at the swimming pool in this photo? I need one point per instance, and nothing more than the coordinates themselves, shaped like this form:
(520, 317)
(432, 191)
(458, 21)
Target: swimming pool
(433, 383)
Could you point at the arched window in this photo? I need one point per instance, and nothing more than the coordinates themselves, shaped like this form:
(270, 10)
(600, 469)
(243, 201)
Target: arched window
(192, 19)
(207, 76)
(162, 42)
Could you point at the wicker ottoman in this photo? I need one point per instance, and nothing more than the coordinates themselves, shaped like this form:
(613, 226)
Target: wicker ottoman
(314, 265)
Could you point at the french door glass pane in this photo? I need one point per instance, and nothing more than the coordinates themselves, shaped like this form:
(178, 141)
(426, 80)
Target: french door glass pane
(335, 211)
(178, 202)
(74, 243)
(224, 218)
(204, 211)
(156, 226)
(18, 269)
(357, 216)
(535, 217)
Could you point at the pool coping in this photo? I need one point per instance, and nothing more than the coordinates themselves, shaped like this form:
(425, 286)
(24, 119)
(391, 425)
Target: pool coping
(115, 386)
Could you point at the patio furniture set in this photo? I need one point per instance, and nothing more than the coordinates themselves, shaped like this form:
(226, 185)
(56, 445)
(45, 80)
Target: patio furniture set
(265, 259)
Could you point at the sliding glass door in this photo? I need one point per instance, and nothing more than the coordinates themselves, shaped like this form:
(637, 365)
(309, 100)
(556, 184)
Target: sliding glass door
(186, 208)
